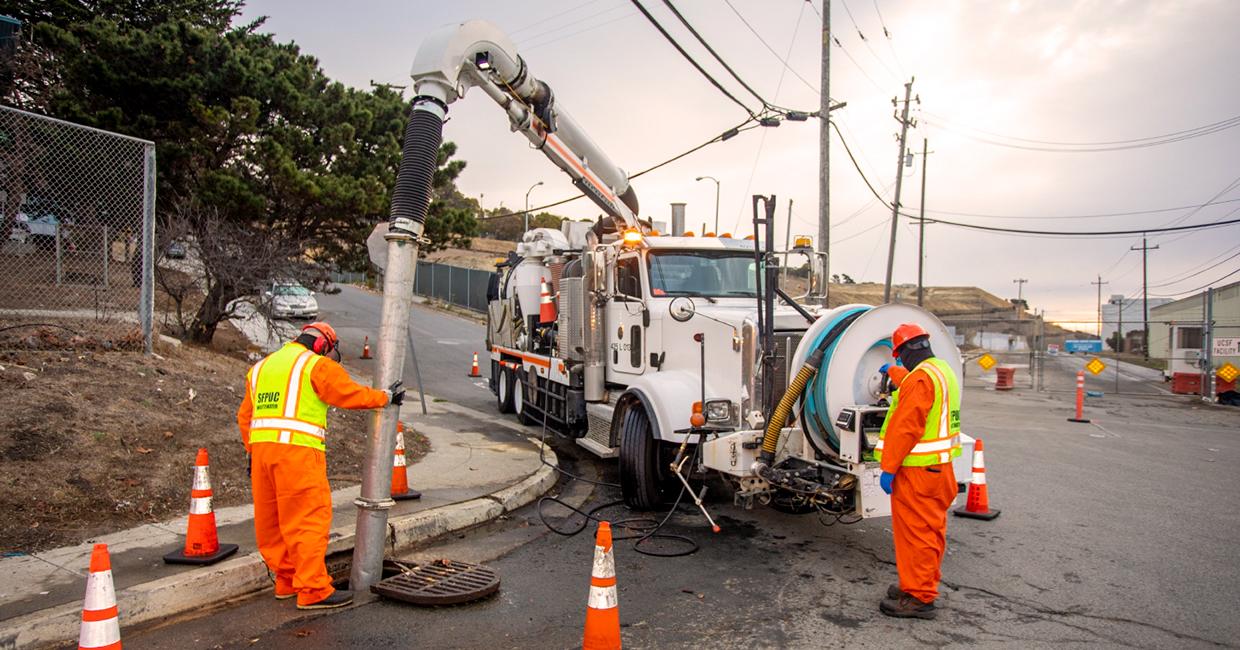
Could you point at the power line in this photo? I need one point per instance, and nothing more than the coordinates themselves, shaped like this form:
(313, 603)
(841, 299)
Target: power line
(718, 86)
(1193, 275)
(946, 121)
(865, 41)
(1234, 122)
(770, 49)
(552, 30)
(1204, 286)
(543, 21)
(583, 30)
(1021, 231)
(1100, 215)
(887, 33)
(726, 135)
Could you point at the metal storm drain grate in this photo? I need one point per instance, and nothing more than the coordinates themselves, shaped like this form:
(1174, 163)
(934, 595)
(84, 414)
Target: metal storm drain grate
(442, 582)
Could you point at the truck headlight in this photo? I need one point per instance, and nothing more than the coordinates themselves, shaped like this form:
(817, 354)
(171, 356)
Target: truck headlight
(718, 410)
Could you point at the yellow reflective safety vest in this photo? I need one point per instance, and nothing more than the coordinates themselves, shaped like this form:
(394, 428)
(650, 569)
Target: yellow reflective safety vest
(286, 408)
(940, 442)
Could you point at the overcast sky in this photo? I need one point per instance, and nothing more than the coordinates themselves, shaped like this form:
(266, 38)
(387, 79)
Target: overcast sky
(1052, 71)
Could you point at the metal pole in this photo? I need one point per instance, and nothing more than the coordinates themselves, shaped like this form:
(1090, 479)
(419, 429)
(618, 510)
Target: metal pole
(410, 199)
(787, 240)
(59, 273)
(895, 205)
(106, 254)
(716, 180)
(921, 223)
(1100, 283)
(824, 149)
(1145, 291)
(146, 304)
(1119, 344)
(417, 374)
(1207, 345)
(527, 208)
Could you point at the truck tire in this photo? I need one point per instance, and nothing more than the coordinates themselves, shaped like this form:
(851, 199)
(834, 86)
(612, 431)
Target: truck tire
(503, 390)
(642, 478)
(521, 399)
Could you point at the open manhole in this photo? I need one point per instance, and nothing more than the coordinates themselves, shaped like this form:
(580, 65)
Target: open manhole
(442, 582)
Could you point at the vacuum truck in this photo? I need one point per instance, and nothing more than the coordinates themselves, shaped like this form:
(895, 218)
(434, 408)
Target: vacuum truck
(675, 353)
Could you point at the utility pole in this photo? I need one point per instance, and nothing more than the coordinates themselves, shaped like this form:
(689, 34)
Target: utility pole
(1145, 248)
(824, 150)
(1100, 283)
(895, 205)
(921, 223)
(1020, 294)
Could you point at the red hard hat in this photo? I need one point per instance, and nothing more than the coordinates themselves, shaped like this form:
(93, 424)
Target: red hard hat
(326, 330)
(904, 334)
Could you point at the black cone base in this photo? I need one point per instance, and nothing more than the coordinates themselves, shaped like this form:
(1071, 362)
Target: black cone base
(179, 557)
(406, 496)
(987, 516)
(1081, 420)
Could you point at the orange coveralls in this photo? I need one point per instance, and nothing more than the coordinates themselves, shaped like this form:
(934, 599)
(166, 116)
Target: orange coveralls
(292, 500)
(920, 496)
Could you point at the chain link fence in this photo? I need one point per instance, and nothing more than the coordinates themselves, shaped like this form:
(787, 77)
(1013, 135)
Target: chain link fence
(77, 217)
(453, 284)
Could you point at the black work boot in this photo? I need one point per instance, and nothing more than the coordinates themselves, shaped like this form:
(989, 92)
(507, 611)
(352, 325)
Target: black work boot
(907, 606)
(894, 592)
(339, 598)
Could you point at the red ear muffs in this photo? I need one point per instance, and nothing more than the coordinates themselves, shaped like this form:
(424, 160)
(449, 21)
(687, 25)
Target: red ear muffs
(322, 346)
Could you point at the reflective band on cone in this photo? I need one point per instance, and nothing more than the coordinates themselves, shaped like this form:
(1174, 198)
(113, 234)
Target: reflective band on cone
(977, 503)
(101, 626)
(202, 544)
(602, 611)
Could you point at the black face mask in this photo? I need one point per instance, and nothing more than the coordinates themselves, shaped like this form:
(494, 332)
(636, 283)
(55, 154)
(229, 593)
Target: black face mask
(910, 358)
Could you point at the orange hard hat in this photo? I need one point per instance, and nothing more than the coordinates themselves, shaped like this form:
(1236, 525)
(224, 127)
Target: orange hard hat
(326, 330)
(905, 333)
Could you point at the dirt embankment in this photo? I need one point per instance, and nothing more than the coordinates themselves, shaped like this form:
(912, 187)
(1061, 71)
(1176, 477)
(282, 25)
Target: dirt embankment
(94, 441)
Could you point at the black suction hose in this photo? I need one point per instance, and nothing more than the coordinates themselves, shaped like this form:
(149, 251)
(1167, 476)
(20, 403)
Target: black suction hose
(418, 159)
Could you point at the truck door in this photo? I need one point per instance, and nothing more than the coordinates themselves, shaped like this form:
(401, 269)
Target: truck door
(626, 335)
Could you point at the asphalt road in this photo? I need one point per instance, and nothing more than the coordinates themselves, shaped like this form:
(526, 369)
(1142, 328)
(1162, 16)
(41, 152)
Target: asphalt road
(1117, 533)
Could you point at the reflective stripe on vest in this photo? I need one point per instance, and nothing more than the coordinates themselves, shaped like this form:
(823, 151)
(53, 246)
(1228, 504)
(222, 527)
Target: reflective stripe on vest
(286, 408)
(940, 442)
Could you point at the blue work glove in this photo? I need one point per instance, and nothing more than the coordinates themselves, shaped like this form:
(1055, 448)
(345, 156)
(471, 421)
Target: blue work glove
(886, 480)
(884, 368)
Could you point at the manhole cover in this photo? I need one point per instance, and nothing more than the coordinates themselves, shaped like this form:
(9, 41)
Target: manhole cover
(442, 582)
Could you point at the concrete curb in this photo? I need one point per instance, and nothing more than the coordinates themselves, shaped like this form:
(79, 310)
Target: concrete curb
(245, 575)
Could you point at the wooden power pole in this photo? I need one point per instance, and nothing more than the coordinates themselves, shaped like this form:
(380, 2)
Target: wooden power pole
(902, 118)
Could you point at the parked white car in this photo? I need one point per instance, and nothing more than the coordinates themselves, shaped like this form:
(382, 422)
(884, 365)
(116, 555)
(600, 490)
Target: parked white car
(291, 300)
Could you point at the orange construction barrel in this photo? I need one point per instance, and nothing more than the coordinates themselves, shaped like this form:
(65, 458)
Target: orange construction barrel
(1005, 378)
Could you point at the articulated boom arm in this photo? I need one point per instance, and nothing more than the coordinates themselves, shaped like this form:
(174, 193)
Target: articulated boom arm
(477, 53)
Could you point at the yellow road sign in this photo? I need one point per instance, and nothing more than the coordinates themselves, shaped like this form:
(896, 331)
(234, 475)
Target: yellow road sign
(1095, 365)
(986, 362)
(1228, 372)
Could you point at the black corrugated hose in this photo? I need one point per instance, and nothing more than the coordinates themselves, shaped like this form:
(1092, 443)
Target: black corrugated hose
(420, 155)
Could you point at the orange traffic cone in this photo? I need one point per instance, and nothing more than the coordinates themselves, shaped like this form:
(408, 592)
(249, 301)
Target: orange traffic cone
(546, 308)
(400, 478)
(366, 348)
(473, 371)
(977, 506)
(603, 609)
(101, 626)
(202, 545)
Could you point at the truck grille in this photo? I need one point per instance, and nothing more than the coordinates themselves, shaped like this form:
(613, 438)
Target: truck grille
(785, 348)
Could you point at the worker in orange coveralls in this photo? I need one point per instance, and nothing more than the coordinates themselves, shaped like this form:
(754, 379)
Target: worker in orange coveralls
(919, 438)
(283, 422)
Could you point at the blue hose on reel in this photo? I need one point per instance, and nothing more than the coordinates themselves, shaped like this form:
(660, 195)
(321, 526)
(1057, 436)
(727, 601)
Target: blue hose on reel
(814, 416)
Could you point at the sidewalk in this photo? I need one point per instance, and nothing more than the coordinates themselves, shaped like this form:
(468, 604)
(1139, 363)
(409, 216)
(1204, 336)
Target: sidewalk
(480, 467)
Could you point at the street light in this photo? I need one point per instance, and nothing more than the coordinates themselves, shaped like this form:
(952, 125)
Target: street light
(712, 178)
(527, 204)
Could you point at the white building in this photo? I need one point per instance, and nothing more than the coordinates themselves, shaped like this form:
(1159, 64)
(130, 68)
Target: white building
(1176, 332)
(1131, 316)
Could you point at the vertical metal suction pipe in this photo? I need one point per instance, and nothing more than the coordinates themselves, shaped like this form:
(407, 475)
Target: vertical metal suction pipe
(410, 201)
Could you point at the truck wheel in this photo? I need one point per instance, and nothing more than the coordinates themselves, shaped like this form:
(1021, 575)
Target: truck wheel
(503, 390)
(521, 399)
(642, 475)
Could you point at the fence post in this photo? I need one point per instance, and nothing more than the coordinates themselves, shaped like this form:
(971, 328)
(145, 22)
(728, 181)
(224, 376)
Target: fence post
(106, 254)
(469, 297)
(146, 302)
(58, 263)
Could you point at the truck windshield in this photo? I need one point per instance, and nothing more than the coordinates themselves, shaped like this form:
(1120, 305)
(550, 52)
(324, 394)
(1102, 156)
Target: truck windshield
(701, 273)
